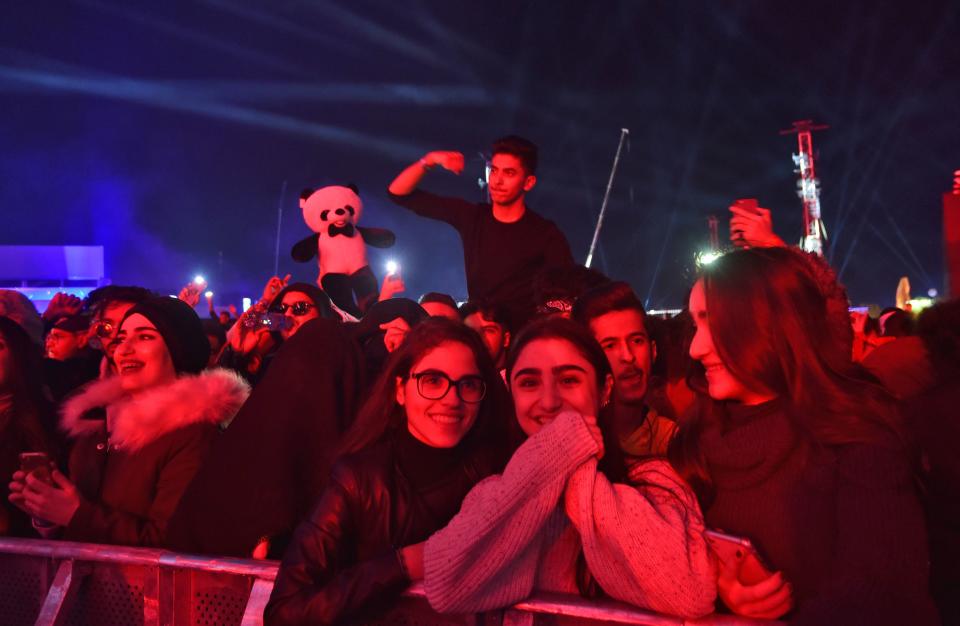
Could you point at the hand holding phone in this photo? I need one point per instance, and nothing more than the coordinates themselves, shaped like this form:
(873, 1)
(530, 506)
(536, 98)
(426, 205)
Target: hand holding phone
(38, 464)
(744, 582)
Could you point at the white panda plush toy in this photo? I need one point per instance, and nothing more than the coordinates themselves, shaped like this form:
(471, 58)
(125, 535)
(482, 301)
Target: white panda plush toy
(340, 245)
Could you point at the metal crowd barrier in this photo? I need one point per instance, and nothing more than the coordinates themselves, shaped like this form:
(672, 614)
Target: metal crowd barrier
(59, 583)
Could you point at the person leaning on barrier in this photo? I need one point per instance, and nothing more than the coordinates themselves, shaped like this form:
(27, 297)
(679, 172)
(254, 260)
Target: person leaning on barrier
(570, 513)
(139, 436)
(431, 428)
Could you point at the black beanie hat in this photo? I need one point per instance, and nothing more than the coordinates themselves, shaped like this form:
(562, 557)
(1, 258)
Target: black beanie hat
(181, 330)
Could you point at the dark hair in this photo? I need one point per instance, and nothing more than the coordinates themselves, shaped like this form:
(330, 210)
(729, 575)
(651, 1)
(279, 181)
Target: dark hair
(613, 296)
(939, 329)
(898, 323)
(381, 416)
(523, 149)
(25, 380)
(770, 322)
(213, 328)
(439, 298)
(555, 290)
(101, 297)
(487, 309)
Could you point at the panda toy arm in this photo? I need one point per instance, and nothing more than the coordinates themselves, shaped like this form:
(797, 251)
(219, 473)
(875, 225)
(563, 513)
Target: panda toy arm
(305, 249)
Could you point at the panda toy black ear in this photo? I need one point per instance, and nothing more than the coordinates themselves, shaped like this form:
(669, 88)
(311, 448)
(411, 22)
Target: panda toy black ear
(352, 186)
(306, 193)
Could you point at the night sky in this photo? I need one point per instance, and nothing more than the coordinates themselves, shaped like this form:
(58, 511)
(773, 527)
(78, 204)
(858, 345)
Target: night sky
(165, 131)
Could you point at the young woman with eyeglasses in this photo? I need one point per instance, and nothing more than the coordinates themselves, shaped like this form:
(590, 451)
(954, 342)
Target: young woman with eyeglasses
(434, 425)
(568, 514)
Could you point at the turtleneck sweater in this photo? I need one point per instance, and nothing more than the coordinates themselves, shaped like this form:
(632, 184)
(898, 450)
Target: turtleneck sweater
(842, 522)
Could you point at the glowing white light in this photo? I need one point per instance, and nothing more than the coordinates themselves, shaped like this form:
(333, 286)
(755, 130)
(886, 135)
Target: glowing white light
(919, 304)
(198, 279)
(932, 292)
(707, 257)
(392, 267)
(208, 294)
(246, 303)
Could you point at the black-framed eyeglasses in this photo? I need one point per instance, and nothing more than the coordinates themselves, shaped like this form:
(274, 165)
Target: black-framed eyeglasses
(434, 385)
(298, 309)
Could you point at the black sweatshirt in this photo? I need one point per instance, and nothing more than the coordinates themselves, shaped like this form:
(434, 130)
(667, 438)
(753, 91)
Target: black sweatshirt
(500, 259)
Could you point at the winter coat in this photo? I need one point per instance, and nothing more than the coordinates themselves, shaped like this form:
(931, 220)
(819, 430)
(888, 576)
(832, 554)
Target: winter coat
(342, 563)
(268, 469)
(131, 478)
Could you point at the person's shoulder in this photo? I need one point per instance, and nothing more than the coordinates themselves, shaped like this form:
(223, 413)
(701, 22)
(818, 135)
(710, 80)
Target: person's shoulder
(371, 464)
(883, 462)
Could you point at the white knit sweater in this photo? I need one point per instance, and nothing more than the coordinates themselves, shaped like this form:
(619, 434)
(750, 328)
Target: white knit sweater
(522, 531)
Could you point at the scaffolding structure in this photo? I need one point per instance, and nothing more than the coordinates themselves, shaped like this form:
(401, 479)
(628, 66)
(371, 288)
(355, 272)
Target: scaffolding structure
(808, 186)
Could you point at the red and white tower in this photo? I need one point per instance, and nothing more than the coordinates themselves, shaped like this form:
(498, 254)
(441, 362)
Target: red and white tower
(808, 187)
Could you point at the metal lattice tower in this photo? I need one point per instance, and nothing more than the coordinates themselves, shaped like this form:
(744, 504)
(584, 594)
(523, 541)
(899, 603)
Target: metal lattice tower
(808, 186)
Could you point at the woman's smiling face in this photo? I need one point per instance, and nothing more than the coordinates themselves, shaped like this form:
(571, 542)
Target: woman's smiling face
(549, 376)
(141, 355)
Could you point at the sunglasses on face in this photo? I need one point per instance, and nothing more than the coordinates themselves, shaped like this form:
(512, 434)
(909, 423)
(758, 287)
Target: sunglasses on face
(435, 385)
(298, 309)
(103, 332)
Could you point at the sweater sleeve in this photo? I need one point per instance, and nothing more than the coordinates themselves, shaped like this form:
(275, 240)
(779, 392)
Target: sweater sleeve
(644, 542)
(96, 522)
(879, 573)
(317, 583)
(487, 556)
(454, 211)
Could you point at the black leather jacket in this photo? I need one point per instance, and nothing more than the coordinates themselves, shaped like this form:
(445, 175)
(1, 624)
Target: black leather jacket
(342, 565)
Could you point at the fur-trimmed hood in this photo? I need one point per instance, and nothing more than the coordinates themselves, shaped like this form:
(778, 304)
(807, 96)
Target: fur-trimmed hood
(213, 396)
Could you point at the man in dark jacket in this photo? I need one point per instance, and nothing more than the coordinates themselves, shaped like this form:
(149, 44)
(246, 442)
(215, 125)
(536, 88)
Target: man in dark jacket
(268, 468)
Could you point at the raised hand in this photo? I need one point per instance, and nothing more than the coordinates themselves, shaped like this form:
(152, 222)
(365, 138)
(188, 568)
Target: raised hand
(392, 285)
(60, 305)
(450, 161)
(752, 227)
(274, 286)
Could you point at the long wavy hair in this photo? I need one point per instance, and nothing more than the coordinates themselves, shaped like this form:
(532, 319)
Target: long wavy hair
(775, 325)
(381, 417)
(25, 383)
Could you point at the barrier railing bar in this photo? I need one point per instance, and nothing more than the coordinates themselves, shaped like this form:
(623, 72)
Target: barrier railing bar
(160, 602)
(151, 596)
(138, 556)
(600, 610)
(257, 602)
(63, 584)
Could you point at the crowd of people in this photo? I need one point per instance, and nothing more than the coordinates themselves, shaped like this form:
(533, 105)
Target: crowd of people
(545, 435)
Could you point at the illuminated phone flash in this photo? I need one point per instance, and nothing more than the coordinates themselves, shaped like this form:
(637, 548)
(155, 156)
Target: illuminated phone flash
(209, 294)
(198, 279)
(392, 267)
